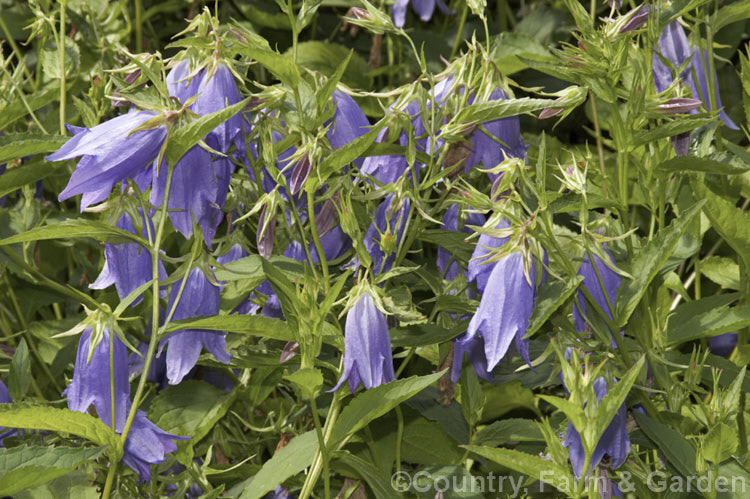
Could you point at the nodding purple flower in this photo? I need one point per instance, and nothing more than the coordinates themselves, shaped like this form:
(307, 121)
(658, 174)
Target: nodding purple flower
(367, 347)
(474, 348)
(449, 267)
(479, 270)
(300, 172)
(386, 169)
(486, 149)
(349, 123)
(5, 399)
(505, 309)
(110, 154)
(604, 297)
(639, 17)
(384, 234)
(423, 8)
(722, 344)
(675, 47)
(198, 192)
(199, 298)
(92, 385)
(127, 265)
(614, 443)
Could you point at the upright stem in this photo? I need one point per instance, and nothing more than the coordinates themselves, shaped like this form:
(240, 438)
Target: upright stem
(322, 447)
(138, 26)
(317, 465)
(61, 52)
(14, 46)
(460, 31)
(316, 239)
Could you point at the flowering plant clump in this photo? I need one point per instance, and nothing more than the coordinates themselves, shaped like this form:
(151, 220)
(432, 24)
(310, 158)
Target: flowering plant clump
(282, 249)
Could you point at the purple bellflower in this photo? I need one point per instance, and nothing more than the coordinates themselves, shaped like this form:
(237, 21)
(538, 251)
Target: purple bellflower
(722, 344)
(474, 348)
(199, 298)
(127, 265)
(505, 309)
(91, 385)
(367, 348)
(675, 47)
(110, 154)
(385, 232)
(614, 442)
(349, 123)
(423, 8)
(5, 399)
(449, 267)
(479, 270)
(604, 298)
(280, 492)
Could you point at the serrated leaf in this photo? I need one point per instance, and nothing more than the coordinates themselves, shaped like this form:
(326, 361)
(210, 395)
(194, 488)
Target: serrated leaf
(326, 58)
(509, 430)
(28, 173)
(495, 110)
(679, 452)
(33, 417)
(189, 135)
(49, 57)
(709, 324)
(77, 227)
(378, 481)
(695, 164)
(24, 467)
(723, 271)
(551, 296)
(20, 372)
(297, 455)
(376, 402)
(281, 66)
(669, 129)
(532, 466)
(720, 443)
(27, 144)
(647, 263)
(243, 324)
(418, 335)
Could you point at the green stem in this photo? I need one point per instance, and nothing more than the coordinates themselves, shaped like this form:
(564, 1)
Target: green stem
(316, 239)
(315, 469)
(138, 26)
(110, 479)
(16, 50)
(399, 437)
(322, 447)
(113, 464)
(61, 52)
(24, 101)
(460, 32)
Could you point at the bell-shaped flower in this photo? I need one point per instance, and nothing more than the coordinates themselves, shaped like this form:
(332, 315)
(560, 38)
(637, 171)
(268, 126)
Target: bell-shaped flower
(349, 123)
(423, 8)
(181, 83)
(92, 384)
(722, 344)
(5, 399)
(198, 191)
(367, 347)
(614, 442)
(594, 276)
(479, 269)
(386, 169)
(127, 265)
(216, 92)
(199, 298)
(384, 234)
(674, 47)
(505, 309)
(449, 267)
(474, 348)
(110, 152)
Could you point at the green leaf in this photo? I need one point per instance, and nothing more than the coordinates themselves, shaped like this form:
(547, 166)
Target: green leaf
(25, 467)
(378, 481)
(495, 110)
(309, 380)
(723, 271)
(49, 57)
(77, 227)
(290, 460)
(732, 13)
(509, 430)
(708, 324)
(695, 164)
(20, 372)
(678, 451)
(427, 443)
(75, 484)
(375, 402)
(551, 296)
(34, 417)
(647, 263)
(729, 221)
(27, 144)
(187, 136)
(472, 397)
(453, 242)
(284, 290)
(326, 58)
(419, 335)
(669, 129)
(26, 174)
(614, 399)
(243, 324)
(509, 45)
(532, 466)
(338, 158)
(281, 66)
(720, 443)
(192, 409)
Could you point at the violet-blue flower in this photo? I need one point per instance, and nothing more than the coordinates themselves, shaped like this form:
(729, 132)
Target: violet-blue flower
(448, 266)
(675, 47)
(722, 344)
(5, 399)
(614, 442)
(367, 347)
(505, 309)
(423, 8)
(349, 123)
(199, 298)
(92, 384)
(127, 265)
(110, 153)
(604, 298)
(474, 348)
(385, 232)
(479, 269)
